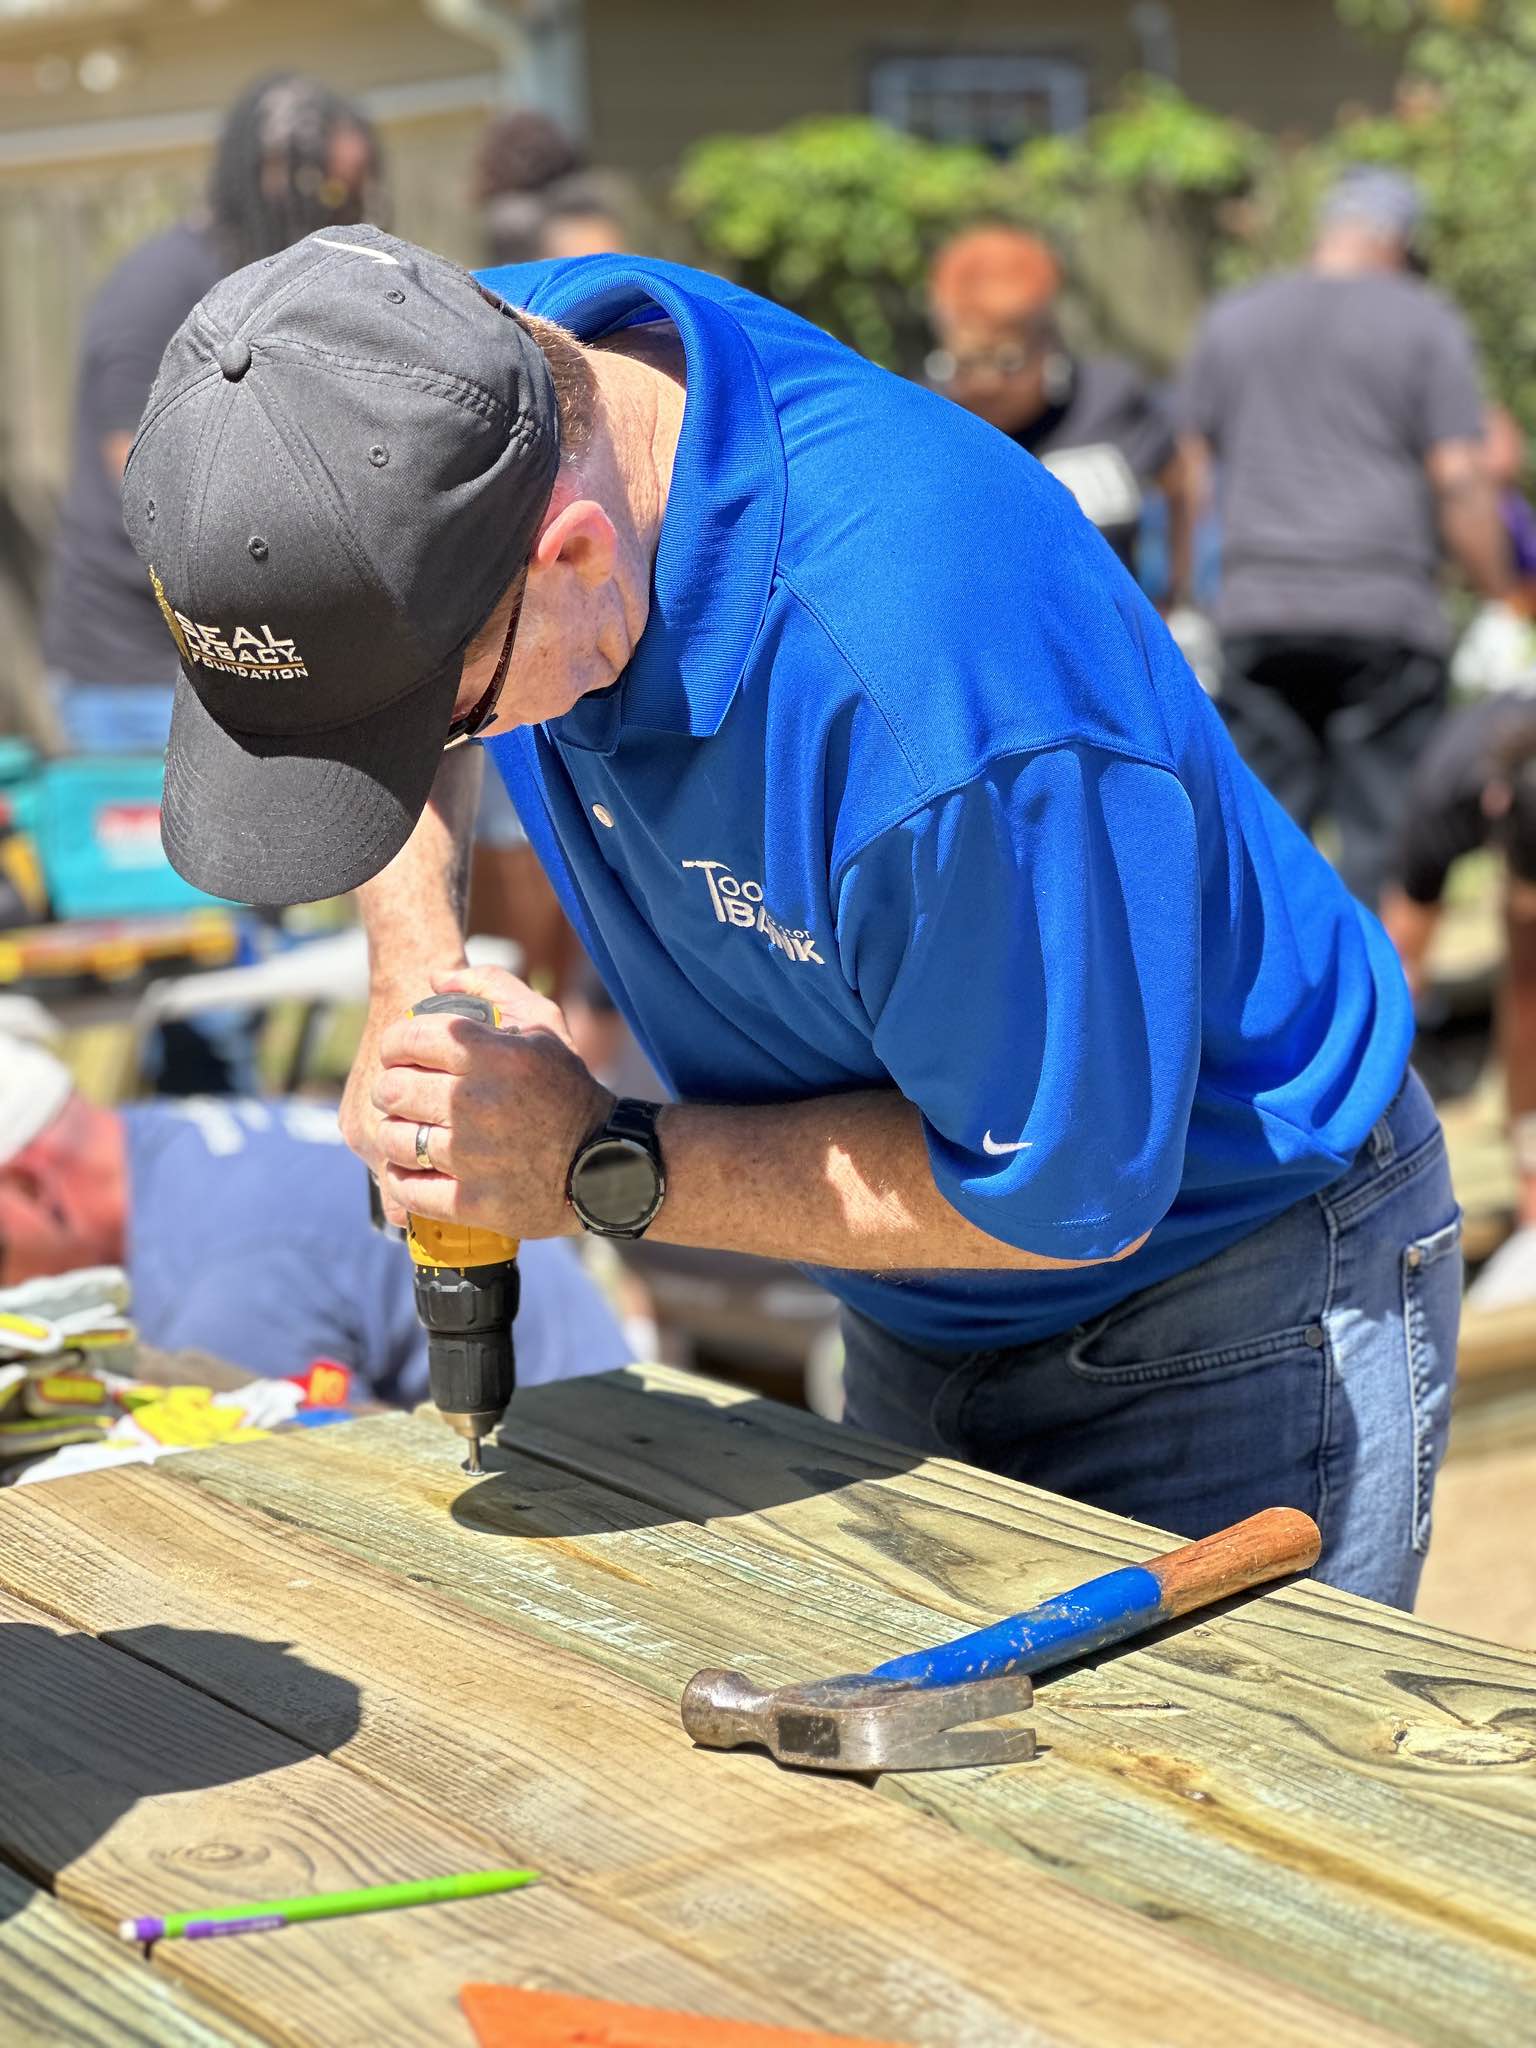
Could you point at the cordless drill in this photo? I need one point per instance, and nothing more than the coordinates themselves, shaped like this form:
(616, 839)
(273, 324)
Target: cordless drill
(466, 1296)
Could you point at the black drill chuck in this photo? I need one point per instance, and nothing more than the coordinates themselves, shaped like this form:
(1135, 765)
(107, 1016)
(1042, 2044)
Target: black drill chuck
(466, 1295)
(467, 1315)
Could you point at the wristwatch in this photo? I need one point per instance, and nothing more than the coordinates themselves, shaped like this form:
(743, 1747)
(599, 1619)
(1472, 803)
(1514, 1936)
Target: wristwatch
(617, 1180)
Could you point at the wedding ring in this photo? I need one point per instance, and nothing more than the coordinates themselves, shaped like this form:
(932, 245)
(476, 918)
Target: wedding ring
(423, 1156)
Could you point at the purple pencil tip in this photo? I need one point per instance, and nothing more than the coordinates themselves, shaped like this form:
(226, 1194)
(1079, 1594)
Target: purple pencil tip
(141, 1930)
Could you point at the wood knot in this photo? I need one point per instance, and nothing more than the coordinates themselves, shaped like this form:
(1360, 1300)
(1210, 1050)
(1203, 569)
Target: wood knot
(217, 1855)
(1460, 1748)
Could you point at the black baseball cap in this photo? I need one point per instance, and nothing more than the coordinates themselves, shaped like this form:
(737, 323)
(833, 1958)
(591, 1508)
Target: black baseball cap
(342, 466)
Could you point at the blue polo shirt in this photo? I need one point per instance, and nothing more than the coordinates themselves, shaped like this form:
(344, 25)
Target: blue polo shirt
(907, 787)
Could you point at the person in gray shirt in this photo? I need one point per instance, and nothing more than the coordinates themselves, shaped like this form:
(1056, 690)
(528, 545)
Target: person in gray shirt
(1342, 409)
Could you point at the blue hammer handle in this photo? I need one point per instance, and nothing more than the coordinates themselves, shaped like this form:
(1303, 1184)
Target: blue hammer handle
(1122, 1603)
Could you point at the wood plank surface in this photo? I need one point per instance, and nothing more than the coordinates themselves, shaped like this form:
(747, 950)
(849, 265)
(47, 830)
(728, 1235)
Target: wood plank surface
(805, 1895)
(1309, 1785)
(131, 1792)
(64, 1985)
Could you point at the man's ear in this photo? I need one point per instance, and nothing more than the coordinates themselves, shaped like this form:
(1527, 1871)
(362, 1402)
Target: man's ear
(582, 537)
(1497, 798)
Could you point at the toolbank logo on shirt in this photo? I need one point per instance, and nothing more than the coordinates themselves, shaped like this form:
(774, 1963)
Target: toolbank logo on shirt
(741, 904)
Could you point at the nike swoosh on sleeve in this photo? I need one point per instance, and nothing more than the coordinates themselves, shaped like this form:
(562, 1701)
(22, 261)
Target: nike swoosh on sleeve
(991, 1144)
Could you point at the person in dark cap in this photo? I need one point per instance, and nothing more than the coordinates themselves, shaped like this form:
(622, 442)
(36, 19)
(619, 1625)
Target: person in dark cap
(292, 156)
(987, 981)
(1342, 407)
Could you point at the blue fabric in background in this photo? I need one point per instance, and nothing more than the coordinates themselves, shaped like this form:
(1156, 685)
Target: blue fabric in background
(249, 1237)
(906, 785)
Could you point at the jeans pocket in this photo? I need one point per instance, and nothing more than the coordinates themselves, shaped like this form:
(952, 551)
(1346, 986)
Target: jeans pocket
(1431, 1273)
(1121, 1350)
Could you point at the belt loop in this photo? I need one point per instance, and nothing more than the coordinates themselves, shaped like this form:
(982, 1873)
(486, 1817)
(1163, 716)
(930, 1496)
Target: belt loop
(1383, 1143)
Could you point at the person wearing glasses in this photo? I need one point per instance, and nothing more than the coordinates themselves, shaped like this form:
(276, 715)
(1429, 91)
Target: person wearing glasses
(1094, 421)
(984, 979)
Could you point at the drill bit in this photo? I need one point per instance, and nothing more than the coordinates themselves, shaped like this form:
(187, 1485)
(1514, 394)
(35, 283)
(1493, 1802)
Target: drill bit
(472, 1464)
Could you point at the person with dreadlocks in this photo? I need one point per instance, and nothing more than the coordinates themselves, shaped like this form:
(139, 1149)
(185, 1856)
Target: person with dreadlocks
(292, 157)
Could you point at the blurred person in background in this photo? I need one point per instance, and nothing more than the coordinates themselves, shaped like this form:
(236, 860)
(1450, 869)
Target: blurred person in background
(244, 1229)
(540, 195)
(292, 157)
(1497, 650)
(1505, 450)
(1343, 408)
(1094, 421)
(1475, 786)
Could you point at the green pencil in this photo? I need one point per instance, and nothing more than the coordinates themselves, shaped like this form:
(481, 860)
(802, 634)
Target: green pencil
(372, 1898)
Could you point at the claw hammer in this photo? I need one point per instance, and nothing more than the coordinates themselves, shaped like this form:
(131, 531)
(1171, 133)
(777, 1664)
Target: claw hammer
(919, 1712)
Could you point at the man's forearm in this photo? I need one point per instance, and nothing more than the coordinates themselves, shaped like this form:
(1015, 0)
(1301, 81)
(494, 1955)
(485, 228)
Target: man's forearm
(1177, 485)
(1470, 525)
(413, 910)
(840, 1180)
(1410, 926)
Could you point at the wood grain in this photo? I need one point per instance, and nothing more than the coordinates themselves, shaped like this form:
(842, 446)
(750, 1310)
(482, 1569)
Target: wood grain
(130, 1791)
(64, 1985)
(1313, 1786)
(809, 1899)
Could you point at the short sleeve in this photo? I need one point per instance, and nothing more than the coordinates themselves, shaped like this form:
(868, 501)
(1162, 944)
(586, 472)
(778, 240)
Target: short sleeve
(1197, 395)
(1027, 948)
(1452, 392)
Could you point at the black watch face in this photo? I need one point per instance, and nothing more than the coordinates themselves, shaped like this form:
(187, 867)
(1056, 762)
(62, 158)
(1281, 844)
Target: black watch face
(615, 1184)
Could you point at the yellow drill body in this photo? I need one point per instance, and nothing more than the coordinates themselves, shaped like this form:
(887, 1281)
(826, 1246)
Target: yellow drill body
(466, 1295)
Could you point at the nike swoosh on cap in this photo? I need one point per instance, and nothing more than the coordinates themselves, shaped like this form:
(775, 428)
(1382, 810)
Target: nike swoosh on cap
(358, 249)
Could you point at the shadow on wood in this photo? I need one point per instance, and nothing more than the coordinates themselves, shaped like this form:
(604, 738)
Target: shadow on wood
(556, 1419)
(62, 1788)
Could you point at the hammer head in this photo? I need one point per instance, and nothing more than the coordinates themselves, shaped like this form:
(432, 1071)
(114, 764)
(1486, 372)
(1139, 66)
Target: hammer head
(861, 1724)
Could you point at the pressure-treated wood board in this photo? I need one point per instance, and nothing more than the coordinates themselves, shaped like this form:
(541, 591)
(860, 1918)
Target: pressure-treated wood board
(1310, 1785)
(1305, 1819)
(131, 1792)
(63, 1985)
(838, 1908)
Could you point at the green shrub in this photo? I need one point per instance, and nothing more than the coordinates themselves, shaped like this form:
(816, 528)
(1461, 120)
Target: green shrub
(839, 218)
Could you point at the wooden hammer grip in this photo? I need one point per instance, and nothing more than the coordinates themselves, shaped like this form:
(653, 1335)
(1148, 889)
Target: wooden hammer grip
(1270, 1545)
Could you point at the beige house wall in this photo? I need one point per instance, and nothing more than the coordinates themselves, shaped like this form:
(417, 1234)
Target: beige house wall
(180, 59)
(662, 73)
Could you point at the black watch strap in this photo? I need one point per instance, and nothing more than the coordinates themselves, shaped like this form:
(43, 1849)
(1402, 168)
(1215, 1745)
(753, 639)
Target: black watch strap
(634, 1119)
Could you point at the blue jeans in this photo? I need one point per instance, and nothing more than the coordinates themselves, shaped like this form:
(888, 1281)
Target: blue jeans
(1309, 1365)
